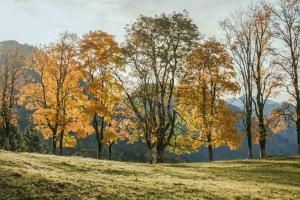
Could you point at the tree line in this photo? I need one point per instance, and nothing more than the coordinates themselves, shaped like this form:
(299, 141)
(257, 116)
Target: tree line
(164, 86)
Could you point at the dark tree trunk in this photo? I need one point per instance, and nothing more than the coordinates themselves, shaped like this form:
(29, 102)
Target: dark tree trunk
(260, 111)
(262, 144)
(262, 137)
(297, 109)
(210, 148)
(6, 136)
(6, 142)
(210, 153)
(249, 109)
(109, 150)
(249, 137)
(150, 155)
(159, 154)
(298, 126)
(99, 146)
(98, 136)
(54, 141)
(250, 152)
(61, 143)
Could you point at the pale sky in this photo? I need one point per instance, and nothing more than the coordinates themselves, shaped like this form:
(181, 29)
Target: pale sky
(40, 21)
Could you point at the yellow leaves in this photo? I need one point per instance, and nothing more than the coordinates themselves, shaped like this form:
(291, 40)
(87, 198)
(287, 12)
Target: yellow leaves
(210, 76)
(211, 64)
(69, 141)
(81, 127)
(59, 98)
(185, 144)
(43, 116)
(46, 132)
(276, 121)
(100, 59)
(110, 136)
(56, 96)
(99, 50)
(96, 107)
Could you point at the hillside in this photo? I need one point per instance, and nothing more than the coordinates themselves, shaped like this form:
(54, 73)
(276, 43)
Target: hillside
(36, 176)
(10, 44)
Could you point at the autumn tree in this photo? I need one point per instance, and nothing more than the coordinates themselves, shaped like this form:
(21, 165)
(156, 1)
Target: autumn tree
(238, 31)
(265, 75)
(101, 60)
(12, 66)
(155, 50)
(55, 95)
(208, 77)
(286, 26)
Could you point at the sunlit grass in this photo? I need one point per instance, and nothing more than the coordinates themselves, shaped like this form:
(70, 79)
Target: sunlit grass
(35, 176)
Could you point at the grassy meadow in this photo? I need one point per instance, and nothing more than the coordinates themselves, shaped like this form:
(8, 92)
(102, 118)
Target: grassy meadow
(37, 176)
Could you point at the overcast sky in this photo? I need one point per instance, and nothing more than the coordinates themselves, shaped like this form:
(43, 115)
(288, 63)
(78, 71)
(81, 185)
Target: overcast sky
(40, 21)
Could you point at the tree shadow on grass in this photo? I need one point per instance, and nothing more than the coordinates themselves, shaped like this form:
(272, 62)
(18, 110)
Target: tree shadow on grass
(20, 187)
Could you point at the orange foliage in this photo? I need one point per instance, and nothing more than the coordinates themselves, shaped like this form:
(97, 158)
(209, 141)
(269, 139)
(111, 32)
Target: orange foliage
(55, 95)
(208, 77)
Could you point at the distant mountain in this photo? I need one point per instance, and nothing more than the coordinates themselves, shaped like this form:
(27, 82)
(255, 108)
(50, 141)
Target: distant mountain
(235, 101)
(282, 143)
(9, 44)
(238, 102)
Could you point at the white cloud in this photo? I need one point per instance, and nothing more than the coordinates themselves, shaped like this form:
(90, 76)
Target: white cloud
(39, 21)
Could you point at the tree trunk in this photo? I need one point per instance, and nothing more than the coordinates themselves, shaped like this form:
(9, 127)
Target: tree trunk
(262, 137)
(262, 144)
(260, 115)
(210, 148)
(298, 129)
(109, 150)
(297, 94)
(61, 143)
(150, 155)
(6, 142)
(54, 141)
(250, 152)
(210, 153)
(6, 136)
(249, 109)
(159, 157)
(99, 145)
(249, 137)
(298, 122)
(98, 138)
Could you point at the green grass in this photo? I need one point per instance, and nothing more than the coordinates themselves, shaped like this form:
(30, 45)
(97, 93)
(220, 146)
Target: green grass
(35, 176)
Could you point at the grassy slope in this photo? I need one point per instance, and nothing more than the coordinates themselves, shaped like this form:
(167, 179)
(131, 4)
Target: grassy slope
(34, 176)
